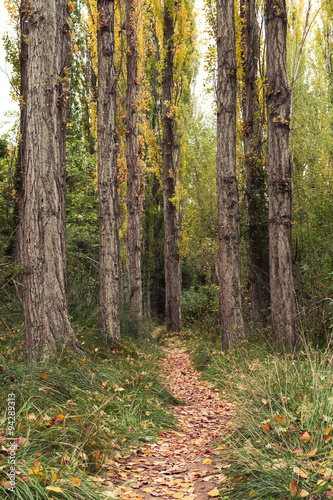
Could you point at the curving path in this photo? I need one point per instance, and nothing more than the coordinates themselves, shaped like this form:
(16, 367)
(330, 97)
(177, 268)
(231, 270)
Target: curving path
(181, 464)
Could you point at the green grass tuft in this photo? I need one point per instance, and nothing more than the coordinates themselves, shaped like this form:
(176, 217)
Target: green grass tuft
(281, 445)
(74, 415)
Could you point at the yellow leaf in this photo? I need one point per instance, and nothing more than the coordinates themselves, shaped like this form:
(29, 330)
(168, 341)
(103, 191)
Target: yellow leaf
(53, 475)
(327, 431)
(313, 452)
(147, 452)
(148, 490)
(54, 488)
(301, 472)
(265, 403)
(321, 482)
(5, 483)
(303, 493)
(220, 447)
(252, 492)
(214, 493)
(105, 385)
(76, 481)
(207, 461)
(179, 494)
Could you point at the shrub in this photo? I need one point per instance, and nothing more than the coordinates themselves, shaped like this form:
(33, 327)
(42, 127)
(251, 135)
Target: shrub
(200, 308)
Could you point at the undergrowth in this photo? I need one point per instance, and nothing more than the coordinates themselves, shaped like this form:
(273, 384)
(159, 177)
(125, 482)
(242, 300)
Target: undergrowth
(281, 443)
(76, 417)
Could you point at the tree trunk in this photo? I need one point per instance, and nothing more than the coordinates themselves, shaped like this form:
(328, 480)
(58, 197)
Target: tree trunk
(18, 214)
(107, 176)
(170, 152)
(226, 183)
(283, 305)
(133, 171)
(47, 326)
(254, 167)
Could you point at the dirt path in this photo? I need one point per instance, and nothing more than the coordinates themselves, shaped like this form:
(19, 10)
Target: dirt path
(181, 464)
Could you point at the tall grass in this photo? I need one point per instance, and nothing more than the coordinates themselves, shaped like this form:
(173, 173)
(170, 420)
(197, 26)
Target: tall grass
(73, 416)
(281, 443)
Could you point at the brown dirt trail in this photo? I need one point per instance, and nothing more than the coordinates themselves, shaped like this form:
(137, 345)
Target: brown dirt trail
(181, 464)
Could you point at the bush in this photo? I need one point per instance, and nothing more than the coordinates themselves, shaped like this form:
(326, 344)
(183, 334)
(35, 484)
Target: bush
(200, 308)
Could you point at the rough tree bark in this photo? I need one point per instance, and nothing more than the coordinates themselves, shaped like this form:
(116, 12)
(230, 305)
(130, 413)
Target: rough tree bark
(107, 176)
(170, 152)
(24, 33)
(253, 159)
(283, 305)
(47, 326)
(133, 171)
(226, 183)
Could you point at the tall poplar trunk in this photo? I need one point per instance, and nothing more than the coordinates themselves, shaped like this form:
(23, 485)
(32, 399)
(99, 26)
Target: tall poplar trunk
(170, 152)
(107, 176)
(47, 326)
(283, 305)
(226, 183)
(18, 214)
(254, 167)
(132, 158)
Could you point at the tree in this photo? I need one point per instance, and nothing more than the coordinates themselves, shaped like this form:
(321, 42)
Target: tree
(47, 325)
(283, 305)
(226, 183)
(171, 158)
(107, 176)
(24, 36)
(256, 189)
(132, 159)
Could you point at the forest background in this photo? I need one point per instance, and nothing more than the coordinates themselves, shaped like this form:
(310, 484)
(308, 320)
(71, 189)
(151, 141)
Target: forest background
(311, 176)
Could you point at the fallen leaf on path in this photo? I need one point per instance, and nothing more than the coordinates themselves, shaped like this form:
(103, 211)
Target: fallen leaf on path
(214, 493)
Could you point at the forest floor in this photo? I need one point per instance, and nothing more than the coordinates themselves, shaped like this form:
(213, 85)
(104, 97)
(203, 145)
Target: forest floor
(181, 463)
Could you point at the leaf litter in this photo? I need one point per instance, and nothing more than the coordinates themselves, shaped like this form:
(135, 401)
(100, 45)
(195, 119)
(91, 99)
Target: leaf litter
(181, 463)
